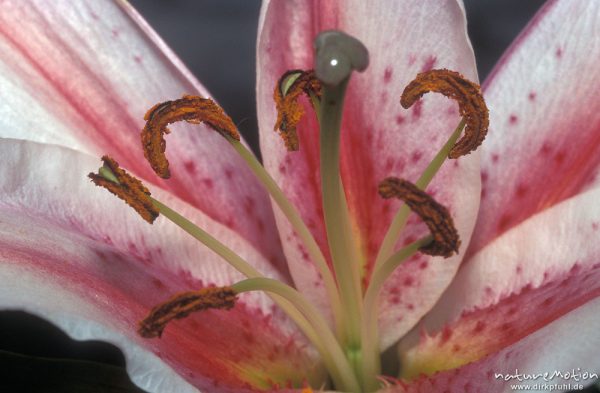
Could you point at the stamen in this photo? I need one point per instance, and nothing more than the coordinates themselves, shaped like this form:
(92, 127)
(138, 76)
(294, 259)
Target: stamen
(470, 102)
(183, 304)
(399, 220)
(237, 262)
(290, 211)
(324, 340)
(289, 112)
(192, 109)
(126, 187)
(371, 364)
(436, 217)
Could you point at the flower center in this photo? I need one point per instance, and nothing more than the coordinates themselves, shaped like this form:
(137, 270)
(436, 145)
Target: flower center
(349, 349)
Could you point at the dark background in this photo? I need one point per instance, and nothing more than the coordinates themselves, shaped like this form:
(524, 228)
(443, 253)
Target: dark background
(216, 40)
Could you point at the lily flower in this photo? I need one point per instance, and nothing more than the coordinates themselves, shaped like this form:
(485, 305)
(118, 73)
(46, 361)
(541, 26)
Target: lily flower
(309, 268)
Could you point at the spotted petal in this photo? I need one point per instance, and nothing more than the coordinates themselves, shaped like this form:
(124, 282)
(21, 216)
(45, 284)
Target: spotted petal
(544, 139)
(525, 272)
(379, 138)
(80, 258)
(525, 279)
(557, 355)
(83, 74)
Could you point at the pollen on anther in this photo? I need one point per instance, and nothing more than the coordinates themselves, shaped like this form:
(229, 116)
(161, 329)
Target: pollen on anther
(127, 188)
(191, 109)
(437, 218)
(287, 92)
(470, 101)
(182, 305)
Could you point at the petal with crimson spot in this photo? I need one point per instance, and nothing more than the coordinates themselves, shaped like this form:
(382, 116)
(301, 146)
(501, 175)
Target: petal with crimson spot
(544, 140)
(83, 74)
(533, 274)
(565, 345)
(96, 274)
(379, 138)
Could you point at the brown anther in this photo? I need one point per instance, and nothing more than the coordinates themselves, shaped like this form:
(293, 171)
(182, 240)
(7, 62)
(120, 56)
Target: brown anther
(436, 216)
(470, 102)
(183, 304)
(128, 188)
(289, 110)
(192, 109)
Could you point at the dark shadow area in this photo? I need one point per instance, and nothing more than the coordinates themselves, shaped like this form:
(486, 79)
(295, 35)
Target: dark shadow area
(216, 41)
(593, 388)
(493, 25)
(29, 335)
(56, 375)
(36, 356)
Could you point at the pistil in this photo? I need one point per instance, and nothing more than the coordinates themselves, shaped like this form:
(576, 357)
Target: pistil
(339, 233)
(337, 55)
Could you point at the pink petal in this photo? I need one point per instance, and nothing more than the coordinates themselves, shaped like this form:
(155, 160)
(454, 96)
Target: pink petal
(72, 253)
(83, 75)
(379, 139)
(544, 140)
(530, 276)
(567, 345)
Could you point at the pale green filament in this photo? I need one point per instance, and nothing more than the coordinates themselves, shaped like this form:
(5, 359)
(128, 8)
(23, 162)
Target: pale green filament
(342, 245)
(289, 210)
(209, 241)
(247, 270)
(391, 236)
(371, 358)
(333, 356)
